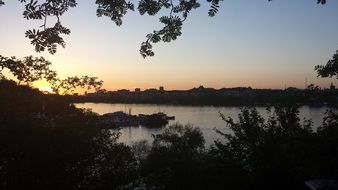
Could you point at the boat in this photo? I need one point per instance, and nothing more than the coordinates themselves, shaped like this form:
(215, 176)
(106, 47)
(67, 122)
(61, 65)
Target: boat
(121, 119)
(154, 120)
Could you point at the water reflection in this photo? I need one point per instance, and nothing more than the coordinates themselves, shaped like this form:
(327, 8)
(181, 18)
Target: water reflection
(205, 117)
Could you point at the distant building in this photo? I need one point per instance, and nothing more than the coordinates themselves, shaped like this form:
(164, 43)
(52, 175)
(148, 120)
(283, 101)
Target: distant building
(123, 91)
(151, 91)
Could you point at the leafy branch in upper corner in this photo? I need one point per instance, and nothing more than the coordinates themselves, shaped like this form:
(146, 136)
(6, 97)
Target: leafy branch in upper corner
(213, 7)
(114, 9)
(172, 23)
(50, 37)
(47, 37)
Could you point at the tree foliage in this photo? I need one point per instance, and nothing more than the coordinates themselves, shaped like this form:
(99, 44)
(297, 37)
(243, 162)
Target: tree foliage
(174, 158)
(281, 152)
(30, 69)
(70, 151)
(68, 85)
(330, 69)
(115, 9)
(49, 38)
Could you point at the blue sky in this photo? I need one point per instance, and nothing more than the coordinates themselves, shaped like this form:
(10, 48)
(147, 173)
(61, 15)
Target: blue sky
(249, 43)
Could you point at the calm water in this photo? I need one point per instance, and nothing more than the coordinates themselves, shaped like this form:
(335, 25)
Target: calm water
(205, 117)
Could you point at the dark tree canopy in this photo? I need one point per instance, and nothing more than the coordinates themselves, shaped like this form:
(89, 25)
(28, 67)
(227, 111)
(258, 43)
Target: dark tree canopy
(330, 69)
(31, 69)
(49, 38)
(28, 69)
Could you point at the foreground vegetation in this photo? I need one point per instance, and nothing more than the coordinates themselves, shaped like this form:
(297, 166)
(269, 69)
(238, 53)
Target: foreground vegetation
(46, 143)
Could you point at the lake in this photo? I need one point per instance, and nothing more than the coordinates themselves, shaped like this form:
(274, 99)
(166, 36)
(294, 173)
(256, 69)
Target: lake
(205, 117)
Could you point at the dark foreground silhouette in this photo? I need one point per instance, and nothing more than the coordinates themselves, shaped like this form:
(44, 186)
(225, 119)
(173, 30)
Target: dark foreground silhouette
(46, 143)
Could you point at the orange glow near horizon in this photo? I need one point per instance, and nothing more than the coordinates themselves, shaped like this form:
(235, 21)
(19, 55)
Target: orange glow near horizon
(256, 45)
(43, 86)
(46, 89)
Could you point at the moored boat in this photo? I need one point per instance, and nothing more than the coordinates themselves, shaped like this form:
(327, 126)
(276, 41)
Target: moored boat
(121, 119)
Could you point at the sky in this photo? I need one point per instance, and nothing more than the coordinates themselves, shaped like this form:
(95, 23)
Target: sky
(252, 43)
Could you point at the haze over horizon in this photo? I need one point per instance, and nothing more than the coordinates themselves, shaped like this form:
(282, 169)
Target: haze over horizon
(259, 44)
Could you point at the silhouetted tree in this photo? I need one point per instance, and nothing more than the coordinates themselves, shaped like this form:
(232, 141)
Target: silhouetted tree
(330, 69)
(31, 69)
(65, 150)
(328, 146)
(174, 159)
(50, 37)
(68, 85)
(276, 154)
(28, 69)
(329, 130)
